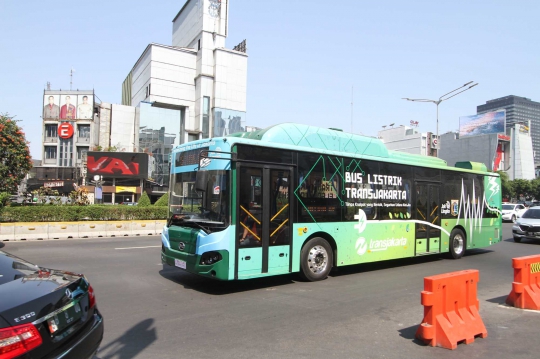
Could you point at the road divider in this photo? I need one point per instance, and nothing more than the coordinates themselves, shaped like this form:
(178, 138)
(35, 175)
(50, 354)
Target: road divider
(451, 310)
(143, 228)
(61, 230)
(7, 231)
(525, 292)
(31, 230)
(83, 229)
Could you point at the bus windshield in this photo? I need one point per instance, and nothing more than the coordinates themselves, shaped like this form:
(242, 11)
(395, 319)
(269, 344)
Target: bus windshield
(208, 209)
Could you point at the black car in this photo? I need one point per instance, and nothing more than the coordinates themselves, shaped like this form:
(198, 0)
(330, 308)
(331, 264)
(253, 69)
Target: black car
(46, 313)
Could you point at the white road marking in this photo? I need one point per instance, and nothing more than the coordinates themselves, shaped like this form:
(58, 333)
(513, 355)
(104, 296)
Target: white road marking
(139, 247)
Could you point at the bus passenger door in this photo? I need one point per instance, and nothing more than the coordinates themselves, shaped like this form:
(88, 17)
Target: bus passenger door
(263, 220)
(428, 233)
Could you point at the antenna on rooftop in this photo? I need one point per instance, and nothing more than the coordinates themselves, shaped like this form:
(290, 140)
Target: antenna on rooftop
(48, 86)
(71, 78)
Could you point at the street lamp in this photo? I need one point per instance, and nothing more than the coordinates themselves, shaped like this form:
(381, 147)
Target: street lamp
(443, 98)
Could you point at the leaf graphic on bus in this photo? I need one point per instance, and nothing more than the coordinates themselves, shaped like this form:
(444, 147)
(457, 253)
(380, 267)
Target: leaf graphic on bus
(408, 215)
(401, 215)
(390, 214)
(407, 227)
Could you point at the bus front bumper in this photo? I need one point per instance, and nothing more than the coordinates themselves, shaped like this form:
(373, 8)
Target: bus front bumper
(213, 264)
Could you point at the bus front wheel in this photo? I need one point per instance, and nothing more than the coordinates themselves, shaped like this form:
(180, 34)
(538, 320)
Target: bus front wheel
(457, 243)
(316, 259)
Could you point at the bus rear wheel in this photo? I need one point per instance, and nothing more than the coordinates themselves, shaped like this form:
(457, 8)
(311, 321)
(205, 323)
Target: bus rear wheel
(457, 243)
(316, 259)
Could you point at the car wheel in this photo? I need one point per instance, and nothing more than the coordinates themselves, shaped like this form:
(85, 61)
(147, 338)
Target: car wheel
(517, 239)
(513, 218)
(316, 259)
(457, 243)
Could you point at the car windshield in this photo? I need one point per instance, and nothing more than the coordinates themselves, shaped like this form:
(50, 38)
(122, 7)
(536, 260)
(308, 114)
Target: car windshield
(532, 213)
(195, 209)
(508, 207)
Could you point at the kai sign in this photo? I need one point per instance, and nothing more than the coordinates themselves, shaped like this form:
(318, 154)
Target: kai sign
(118, 164)
(65, 130)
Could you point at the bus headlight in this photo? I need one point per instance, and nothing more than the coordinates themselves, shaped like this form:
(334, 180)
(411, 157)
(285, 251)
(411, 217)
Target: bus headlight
(210, 258)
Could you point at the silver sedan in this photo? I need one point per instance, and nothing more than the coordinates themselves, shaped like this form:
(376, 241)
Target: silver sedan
(528, 226)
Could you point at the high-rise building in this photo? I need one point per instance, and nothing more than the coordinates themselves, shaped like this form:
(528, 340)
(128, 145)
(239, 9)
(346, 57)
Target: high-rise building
(521, 111)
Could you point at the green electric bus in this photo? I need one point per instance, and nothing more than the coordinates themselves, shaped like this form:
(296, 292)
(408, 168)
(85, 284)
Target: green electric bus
(297, 198)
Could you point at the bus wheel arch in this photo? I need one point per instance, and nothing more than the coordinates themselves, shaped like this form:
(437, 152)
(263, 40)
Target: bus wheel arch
(317, 257)
(457, 242)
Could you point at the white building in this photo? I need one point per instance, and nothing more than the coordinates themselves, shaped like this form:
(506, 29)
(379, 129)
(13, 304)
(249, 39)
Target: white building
(195, 75)
(409, 140)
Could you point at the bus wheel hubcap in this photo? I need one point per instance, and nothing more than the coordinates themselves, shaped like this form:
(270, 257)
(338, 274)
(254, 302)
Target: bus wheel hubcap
(317, 259)
(458, 244)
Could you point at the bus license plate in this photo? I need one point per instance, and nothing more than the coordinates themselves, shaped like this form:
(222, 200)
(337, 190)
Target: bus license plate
(180, 263)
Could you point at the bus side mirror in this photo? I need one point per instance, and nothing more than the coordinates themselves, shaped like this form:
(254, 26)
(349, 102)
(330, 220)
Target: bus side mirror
(201, 180)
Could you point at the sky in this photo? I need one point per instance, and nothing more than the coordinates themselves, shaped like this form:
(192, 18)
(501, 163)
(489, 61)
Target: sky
(343, 64)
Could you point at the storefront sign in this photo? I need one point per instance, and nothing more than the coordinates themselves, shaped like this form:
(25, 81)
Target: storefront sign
(65, 130)
(126, 189)
(53, 184)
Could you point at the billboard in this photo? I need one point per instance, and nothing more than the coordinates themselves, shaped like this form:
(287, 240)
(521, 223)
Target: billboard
(117, 164)
(68, 105)
(487, 123)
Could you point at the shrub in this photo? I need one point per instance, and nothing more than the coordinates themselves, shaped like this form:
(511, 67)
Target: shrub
(68, 213)
(144, 200)
(163, 201)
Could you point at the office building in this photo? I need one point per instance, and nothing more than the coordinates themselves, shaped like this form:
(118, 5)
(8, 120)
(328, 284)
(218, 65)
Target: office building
(519, 110)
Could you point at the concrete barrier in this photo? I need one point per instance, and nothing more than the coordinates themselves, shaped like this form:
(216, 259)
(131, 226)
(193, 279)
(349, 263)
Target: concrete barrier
(63, 230)
(143, 228)
(92, 229)
(159, 226)
(118, 228)
(7, 231)
(86, 229)
(31, 230)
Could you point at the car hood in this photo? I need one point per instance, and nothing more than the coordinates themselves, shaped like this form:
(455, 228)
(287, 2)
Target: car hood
(528, 221)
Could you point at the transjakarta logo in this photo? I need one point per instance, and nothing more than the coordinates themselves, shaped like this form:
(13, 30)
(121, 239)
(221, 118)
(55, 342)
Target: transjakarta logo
(361, 245)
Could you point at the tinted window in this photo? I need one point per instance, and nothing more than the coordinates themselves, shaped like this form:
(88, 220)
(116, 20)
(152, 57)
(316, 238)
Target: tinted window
(318, 188)
(256, 153)
(359, 189)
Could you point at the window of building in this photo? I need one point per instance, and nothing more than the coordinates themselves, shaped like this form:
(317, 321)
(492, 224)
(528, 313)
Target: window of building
(51, 131)
(83, 131)
(193, 137)
(206, 117)
(81, 151)
(50, 152)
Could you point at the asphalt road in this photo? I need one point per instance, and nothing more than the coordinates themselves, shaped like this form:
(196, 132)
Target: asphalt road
(365, 311)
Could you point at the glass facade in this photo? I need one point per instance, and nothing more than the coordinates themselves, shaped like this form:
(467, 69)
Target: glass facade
(206, 117)
(159, 133)
(228, 121)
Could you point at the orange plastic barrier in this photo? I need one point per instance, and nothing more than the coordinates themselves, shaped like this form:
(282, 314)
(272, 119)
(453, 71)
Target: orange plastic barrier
(525, 292)
(451, 310)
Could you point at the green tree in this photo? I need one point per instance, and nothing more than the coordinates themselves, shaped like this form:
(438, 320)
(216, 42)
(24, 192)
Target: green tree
(79, 197)
(47, 195)
(507, 189)
(15, 161)
(144, 201)
(535, 183)
(162, 201)
(523, 189)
